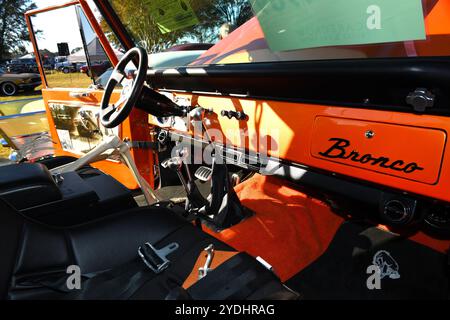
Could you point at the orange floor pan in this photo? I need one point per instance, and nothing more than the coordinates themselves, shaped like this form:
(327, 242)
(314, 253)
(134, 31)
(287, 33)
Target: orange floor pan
(289, 229)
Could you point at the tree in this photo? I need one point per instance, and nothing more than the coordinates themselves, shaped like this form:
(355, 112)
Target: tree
(75, 50)
(138, 19)
(212, 14)
(136, 16)
(13, 28)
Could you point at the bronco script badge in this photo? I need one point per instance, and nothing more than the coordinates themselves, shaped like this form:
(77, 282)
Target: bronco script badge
(341, 149)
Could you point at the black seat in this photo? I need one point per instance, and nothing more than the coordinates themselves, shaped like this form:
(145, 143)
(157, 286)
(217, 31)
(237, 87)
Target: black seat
(32, 252)
(27, 184)
(54, 162)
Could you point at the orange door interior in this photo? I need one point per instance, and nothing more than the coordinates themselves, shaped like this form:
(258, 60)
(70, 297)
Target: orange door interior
(71, 100)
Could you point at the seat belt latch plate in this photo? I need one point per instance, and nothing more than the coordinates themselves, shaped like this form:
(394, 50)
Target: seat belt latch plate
(156, 259)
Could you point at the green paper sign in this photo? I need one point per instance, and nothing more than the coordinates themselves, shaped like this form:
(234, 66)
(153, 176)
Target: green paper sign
(171, 15)
(299, 24)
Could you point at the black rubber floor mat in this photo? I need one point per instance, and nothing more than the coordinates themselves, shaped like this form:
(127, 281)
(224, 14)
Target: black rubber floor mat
(408, 270)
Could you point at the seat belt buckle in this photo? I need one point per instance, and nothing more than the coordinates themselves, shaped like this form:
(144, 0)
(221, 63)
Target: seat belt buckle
(156, 260)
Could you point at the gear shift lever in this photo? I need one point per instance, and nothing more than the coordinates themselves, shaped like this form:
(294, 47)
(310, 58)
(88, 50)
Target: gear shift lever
(223, 208)
(177, 164)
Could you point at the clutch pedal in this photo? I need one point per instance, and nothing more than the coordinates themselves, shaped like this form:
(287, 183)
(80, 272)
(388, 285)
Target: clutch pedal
(203, 174)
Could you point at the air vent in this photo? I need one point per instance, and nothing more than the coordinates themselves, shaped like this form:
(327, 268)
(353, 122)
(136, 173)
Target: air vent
(397, 210)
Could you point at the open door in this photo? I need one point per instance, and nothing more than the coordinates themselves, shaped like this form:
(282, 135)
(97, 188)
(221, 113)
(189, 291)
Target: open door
(75, 60)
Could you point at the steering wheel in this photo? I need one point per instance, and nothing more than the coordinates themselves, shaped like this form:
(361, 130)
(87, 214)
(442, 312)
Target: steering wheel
(112, 115)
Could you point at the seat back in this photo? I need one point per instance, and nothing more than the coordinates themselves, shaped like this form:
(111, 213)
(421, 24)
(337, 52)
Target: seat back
(11, 226)
(28, 248)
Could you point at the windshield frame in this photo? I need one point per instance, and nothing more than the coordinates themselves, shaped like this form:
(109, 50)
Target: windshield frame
(116, 25)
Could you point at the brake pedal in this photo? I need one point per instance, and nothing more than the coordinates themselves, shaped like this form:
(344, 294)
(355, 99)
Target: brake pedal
(203, 174)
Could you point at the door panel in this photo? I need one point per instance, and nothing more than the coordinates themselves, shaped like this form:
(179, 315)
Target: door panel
(143, 158)
(71, 107)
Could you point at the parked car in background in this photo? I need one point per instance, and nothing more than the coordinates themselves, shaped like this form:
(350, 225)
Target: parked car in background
(22, 66)
(96, 70)
(48, 67)
(61, 62)
(3, 64)
(11, 83)
(48, 64)
(65, 66)
(70, 67)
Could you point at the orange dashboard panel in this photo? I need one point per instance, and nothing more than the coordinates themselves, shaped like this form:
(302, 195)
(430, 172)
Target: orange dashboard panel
(404, 151)
(407, 152)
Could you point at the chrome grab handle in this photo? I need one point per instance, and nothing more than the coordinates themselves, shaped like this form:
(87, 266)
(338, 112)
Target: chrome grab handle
(78, 94)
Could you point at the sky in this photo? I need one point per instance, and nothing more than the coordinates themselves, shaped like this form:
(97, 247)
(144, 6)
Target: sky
(57, 26)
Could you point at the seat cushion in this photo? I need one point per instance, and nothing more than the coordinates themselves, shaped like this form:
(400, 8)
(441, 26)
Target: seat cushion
(97, 246)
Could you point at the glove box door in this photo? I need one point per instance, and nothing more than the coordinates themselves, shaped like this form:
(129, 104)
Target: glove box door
(408, 152)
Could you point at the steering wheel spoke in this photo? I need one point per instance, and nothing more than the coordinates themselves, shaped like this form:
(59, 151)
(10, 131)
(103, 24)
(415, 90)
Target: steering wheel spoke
(119, 104)
(117, 76)
(110, 109)
(114, 115)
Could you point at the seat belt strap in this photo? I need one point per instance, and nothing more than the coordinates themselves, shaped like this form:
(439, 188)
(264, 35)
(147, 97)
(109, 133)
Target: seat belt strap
(124, 281)
(118, 283)
(237, 278)
(93, 285)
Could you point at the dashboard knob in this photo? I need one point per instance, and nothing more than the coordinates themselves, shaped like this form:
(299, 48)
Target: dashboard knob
(421, 99)
(239, 115)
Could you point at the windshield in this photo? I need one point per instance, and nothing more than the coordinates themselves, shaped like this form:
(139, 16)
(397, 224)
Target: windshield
(2, 70)
(249, 31)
